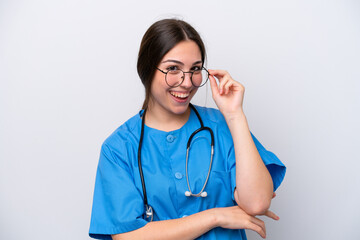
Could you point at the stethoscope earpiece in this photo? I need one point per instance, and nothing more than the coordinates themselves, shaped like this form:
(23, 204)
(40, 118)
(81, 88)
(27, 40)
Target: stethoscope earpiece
(203, 194)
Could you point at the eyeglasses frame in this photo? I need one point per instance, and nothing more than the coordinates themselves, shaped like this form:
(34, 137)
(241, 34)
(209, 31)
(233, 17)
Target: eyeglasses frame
(183, 78)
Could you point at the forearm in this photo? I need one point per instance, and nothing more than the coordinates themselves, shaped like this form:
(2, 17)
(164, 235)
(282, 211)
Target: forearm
(254, 186)
(189, 227)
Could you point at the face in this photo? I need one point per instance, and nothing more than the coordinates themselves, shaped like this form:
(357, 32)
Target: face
(164, 99)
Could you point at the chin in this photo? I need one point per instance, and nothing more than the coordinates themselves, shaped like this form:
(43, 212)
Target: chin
(180, 109)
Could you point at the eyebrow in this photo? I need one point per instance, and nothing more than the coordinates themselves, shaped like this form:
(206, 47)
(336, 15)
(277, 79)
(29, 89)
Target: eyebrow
(180, 63)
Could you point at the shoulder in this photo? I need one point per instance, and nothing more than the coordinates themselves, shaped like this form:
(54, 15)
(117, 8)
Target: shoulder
(124, 136)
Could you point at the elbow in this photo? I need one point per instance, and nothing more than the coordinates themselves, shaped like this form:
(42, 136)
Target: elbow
(255, 206)
(258, 207)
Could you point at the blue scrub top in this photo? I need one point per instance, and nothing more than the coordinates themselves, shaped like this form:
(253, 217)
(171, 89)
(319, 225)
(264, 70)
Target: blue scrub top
(118, 205)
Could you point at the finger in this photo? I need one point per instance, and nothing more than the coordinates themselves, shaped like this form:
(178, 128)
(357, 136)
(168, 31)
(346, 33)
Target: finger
(227, 86)
(258, 222)
(214, 86)
(274, 195)
(222, 84)
(256, 228)
(221, 75)
(218, 73)
(272, 215)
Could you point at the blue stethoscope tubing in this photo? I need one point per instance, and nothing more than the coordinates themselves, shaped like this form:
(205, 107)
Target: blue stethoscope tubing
(148, 209)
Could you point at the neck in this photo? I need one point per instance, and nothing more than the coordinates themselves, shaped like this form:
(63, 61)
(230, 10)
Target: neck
(164, 120)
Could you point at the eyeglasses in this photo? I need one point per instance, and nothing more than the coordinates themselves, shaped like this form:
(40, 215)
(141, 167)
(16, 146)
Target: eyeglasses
(176, 77)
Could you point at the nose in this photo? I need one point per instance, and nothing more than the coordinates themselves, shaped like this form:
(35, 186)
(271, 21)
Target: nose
(187, 80)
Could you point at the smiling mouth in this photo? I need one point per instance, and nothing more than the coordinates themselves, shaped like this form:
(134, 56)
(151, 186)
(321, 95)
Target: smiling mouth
(180, 95)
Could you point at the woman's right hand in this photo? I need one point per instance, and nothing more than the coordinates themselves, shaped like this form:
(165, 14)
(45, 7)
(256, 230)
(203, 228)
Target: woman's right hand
(236, 218)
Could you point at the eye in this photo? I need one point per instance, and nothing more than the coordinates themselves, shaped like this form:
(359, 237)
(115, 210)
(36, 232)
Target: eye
(196, 68)
(172, 68)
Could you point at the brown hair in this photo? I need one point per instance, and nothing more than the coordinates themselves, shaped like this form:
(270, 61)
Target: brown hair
(159, 39)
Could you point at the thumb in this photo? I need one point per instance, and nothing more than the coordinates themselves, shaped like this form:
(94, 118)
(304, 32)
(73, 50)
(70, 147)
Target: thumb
(214, 86)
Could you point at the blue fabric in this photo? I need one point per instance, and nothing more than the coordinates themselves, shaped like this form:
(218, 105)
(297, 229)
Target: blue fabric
(118, 198)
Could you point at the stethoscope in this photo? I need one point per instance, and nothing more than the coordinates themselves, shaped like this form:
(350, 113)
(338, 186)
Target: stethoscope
(148, 209)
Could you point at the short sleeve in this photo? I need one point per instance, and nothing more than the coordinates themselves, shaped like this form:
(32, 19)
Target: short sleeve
(275, 167)
(117, 204)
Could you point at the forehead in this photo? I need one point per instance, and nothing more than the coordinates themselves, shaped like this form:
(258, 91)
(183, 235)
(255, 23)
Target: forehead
(185, 51)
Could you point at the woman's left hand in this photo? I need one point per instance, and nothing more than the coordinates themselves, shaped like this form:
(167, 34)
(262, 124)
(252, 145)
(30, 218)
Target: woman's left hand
(228, 94)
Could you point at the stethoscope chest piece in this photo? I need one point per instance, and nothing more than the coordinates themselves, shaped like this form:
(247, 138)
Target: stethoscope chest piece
(149, 212)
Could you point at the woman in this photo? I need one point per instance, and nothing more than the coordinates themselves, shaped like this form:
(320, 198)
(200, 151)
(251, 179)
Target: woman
(188, 193)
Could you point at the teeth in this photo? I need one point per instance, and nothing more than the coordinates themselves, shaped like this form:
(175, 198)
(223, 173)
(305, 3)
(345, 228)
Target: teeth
(180, 95)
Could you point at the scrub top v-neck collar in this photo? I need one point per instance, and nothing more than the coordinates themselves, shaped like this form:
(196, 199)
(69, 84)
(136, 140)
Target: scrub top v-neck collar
(156, 132)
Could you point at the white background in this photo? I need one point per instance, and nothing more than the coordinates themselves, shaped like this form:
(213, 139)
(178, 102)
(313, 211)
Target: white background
(68, 79)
